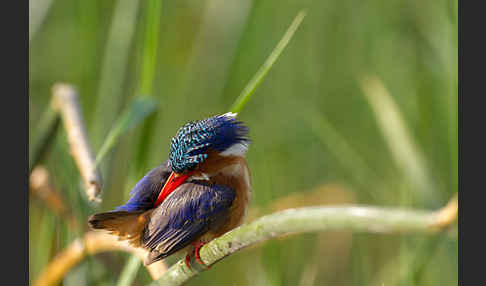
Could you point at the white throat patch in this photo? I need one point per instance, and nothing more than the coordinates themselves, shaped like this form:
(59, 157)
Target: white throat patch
(238, 149)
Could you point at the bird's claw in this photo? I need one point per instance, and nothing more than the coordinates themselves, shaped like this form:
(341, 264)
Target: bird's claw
(197, 247)
(188, 260)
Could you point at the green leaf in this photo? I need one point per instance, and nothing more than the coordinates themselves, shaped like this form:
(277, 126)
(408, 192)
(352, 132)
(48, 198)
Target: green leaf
(129, 272)
(139, 109)
(250, 88)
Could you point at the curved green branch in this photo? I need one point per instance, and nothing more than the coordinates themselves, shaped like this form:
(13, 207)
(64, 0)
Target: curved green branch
(314, 219)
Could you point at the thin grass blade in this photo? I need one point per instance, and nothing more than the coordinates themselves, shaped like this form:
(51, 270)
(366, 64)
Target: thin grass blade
(151, 39)
(114, 67)
(129, 272)
(397, 136)
(250, 88)
(140, 108)
(343, 151)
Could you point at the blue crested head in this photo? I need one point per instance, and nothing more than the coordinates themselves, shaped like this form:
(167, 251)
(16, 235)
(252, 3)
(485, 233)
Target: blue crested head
(222, 133)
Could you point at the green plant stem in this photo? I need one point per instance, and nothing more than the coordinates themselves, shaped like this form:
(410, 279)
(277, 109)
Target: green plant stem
(343, 151)
(129, 272)
(152, 17)
(113, 68)
(151, 39)
(250, 88)
(313, 219)
(138, 110)
(398, 137)
(47, 133)
(37, 13)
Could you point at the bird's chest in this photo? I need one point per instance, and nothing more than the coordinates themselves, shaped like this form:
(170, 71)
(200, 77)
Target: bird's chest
(237, 176)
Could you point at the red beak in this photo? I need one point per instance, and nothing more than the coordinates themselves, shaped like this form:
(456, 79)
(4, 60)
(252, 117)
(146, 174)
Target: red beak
(172, 183)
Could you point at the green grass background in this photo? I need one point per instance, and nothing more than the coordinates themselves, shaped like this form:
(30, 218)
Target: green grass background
(310, 122)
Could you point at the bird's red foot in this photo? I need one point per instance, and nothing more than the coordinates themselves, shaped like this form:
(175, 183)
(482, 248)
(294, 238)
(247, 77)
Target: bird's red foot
(188, 260)
(197, 246)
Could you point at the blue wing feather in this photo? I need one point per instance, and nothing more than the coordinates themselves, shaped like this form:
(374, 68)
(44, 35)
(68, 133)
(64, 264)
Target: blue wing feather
(193, 209)
(145, 192)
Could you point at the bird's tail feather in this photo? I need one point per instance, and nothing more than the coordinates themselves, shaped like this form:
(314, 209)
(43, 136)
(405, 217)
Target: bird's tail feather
(126, 225)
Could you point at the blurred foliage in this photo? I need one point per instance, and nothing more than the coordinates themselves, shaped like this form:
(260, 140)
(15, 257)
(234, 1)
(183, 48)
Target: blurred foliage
(310, 122)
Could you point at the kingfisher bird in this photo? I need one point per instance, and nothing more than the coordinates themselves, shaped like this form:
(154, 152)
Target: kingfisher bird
(202, 191)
